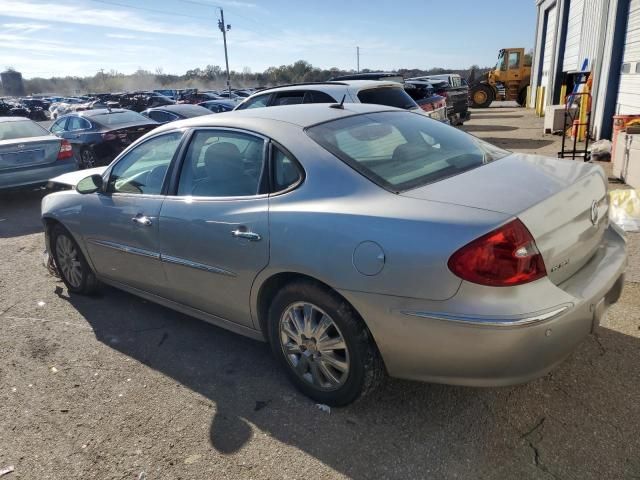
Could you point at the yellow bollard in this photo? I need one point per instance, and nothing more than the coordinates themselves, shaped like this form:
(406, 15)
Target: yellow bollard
(584, 106)
(543, 103)
(538, 100)
(563, 94)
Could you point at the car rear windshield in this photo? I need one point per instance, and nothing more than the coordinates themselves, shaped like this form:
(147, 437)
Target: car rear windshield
(21, 129)
(389, 96)
(119, 118)
(403, 150)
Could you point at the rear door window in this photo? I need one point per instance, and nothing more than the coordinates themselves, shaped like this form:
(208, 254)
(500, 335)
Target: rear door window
(288, 98)
(314, 96)
(389, 96)
(77, 123)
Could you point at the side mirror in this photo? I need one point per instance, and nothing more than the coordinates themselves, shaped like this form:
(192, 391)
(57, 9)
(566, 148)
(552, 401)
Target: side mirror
(90, 184)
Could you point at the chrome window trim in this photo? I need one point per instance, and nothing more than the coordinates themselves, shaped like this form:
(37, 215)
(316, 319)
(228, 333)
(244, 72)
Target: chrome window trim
(493, 321)
(198, 266)
(126, 248)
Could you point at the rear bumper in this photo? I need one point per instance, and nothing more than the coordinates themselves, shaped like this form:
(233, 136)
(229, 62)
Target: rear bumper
(418, 341)
(37, 175)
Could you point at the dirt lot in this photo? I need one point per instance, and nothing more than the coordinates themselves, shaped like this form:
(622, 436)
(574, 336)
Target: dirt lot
(114, 386)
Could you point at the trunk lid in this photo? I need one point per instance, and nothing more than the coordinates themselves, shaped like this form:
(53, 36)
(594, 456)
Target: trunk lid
(130, 133)
(564, 204)
(28, 152)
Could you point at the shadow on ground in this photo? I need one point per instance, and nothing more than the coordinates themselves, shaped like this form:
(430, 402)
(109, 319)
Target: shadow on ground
(578, 422)
(19, 212)
(489, 128)
(479, 116)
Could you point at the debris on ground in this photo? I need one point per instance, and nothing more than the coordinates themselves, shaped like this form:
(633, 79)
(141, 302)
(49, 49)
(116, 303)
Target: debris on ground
(6, 470)
(323, 407)
(142, 476)
(624, 209)
(260, 404)
(601, 151)
(53, 370)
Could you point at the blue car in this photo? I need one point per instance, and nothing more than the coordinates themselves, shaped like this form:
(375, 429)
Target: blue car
(30, 155)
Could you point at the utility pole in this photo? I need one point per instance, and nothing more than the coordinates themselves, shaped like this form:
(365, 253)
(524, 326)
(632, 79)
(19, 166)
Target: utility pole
(224, 28)
(358, 57)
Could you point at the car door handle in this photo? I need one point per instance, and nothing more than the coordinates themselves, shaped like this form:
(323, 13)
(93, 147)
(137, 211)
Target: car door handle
(142, 220)
(254, 237)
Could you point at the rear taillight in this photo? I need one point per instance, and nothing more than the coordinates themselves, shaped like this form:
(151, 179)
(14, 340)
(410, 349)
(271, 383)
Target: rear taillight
(66, 151)
(504, 257)
(109, 136)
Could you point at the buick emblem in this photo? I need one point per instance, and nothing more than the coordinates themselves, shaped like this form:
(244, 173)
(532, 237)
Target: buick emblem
(21, 146)
(594, 212)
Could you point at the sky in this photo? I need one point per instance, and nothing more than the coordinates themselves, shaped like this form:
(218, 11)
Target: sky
(44, 38)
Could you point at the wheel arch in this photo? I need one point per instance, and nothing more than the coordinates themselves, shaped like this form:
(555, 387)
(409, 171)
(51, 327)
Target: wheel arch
(268, 288)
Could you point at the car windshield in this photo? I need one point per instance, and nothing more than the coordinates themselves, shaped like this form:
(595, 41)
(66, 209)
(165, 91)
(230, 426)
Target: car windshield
(119, 118)
(402, 150)
(389, 96)
(21, 129)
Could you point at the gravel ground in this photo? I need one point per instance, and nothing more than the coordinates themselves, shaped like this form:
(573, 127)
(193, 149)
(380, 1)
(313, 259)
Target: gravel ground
(113, 386)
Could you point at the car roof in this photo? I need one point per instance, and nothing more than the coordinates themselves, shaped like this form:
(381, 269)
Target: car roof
(356, 84)
(99, 111)
(181, 109)
(301, 115)
(14, 119)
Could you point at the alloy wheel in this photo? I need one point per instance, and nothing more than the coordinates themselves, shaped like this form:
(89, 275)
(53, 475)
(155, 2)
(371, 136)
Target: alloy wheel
(314, 346)
(68, 261)
(88, 159)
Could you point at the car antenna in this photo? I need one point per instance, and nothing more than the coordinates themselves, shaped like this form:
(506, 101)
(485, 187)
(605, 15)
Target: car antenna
(339, 105)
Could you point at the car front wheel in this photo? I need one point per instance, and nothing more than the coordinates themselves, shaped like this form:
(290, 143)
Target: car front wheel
(323, 345)
(70, 263)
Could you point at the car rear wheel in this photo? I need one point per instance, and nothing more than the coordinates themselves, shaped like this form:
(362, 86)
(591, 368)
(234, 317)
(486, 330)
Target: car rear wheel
(70, 263)
(88, 159)
(323, 345)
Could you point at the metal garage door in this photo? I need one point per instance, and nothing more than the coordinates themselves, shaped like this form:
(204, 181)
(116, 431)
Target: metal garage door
(547, 62)
(629, 90)
(571, 60)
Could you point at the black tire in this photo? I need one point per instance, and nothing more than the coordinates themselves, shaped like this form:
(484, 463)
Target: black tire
(482, 96)
(366, 368)
(88, 159)
(87, 283)
(522, 97)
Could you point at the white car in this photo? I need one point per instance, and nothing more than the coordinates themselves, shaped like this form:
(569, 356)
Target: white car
(377, 92)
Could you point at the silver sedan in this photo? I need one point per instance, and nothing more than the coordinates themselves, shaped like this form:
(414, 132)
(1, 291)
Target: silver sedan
(359, 240)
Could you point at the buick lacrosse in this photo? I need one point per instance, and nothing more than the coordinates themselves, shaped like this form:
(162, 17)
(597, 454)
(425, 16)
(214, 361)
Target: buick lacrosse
(358, 240)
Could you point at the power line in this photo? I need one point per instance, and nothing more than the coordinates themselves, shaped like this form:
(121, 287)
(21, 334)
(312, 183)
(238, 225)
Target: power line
(145, 9)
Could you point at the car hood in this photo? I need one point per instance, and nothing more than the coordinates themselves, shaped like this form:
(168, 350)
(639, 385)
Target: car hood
(71, 179)
(509, 185)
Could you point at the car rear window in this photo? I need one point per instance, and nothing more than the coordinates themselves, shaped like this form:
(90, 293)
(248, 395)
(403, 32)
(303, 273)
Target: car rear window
(21, 129)
(119, 118)
(402, 150)
(389, 96)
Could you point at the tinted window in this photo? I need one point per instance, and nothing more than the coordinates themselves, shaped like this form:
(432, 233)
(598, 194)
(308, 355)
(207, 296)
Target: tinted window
(626, 68)
(313, 96)
(222, 164)
(143, 169)
(161, 117)
(399, 151)
(285, 170)
(77, 123)
(21, 129)
(390, 96)
(255, 102)
(119, 118)
(288, 98)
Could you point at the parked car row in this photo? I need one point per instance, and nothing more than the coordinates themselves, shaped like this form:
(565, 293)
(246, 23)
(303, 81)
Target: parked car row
(23, 107)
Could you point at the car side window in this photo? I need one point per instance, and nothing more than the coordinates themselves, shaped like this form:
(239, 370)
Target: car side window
(159, 116)
(221, 163)
(289, 98)
(142, 170)
(77, 123)
(256, 102)
(58, 126)
(285, 170)
(314, 96)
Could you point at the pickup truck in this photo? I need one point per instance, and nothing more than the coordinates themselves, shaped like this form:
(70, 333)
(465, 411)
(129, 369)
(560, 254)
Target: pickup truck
(455, 89)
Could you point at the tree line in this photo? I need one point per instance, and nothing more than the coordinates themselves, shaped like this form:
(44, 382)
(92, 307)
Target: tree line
(209, 77)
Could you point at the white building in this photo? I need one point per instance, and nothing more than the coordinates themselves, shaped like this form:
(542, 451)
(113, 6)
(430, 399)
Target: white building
(599, 36)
